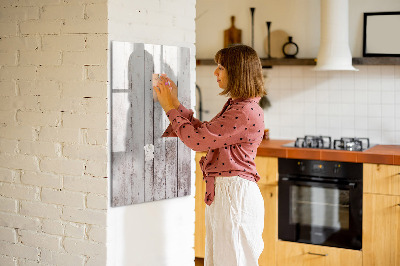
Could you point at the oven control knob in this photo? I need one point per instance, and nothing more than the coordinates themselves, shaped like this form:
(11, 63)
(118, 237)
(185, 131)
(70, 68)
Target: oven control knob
(302, 167)
(336, 169)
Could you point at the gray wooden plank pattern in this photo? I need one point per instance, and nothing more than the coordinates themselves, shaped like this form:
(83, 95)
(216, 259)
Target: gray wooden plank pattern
(159, 143)
(184, 165)
(136, 97)
(170, 65)
(137, 123)
(148, 121)
(121, 184)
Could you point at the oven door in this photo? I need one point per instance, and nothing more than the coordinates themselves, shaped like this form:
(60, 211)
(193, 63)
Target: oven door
(321, 212)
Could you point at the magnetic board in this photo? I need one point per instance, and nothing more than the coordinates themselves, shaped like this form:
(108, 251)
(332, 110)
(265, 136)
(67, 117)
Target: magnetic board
(144, 166)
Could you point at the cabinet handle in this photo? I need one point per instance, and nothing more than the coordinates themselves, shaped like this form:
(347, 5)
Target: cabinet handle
(318, 254)
(398, 204)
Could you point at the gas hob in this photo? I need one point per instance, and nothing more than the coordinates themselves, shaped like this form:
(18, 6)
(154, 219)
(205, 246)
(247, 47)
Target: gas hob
(325, 142)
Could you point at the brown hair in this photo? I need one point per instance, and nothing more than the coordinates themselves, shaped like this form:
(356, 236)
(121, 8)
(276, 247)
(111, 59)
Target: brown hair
(245, 78)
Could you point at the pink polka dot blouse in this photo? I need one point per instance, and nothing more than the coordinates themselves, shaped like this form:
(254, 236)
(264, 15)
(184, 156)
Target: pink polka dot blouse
(231, 139)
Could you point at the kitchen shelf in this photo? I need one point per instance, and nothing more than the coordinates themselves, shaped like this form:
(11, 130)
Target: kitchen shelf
(376, 61)
(312, 61)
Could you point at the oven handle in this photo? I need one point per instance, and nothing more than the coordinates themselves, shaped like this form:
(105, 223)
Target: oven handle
(297, 181)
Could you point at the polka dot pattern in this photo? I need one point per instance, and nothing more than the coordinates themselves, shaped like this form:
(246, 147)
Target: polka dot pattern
(231, 139)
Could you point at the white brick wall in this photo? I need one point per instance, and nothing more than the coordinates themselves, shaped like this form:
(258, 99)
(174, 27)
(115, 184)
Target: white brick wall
(53, 115)
(75, 230)
(61, 258)
(8, 234)
(53, 121)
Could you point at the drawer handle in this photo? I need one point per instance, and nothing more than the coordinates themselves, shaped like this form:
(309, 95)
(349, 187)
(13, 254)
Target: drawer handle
(318, 254)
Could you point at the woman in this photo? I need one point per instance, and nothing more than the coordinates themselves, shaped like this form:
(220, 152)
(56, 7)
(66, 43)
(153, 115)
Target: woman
(235, 207)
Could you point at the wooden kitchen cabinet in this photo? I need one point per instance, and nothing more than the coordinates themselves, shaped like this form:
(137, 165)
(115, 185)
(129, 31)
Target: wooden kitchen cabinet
(298, 254)
(381, 215)
(267, 168)
(381, 179)
(270, 233)
(200, 207)
(381, 230)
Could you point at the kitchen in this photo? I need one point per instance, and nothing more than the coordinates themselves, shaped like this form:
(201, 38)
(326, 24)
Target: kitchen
(55, 82)
(338, 105)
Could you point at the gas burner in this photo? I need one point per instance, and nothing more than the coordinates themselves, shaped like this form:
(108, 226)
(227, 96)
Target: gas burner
(321, 142)
(351, 144)
(324, 142)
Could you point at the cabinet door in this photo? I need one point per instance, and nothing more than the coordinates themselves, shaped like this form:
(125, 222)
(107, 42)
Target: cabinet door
(381, 179)
(381, 230)
(200, 207)
(270, 233)
(267, 168)
(297, 254)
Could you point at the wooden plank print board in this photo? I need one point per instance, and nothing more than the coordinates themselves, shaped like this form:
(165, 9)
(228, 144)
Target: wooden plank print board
(144, 166)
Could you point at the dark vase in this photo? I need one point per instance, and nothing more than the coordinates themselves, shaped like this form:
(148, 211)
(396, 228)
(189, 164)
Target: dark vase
(290, 49)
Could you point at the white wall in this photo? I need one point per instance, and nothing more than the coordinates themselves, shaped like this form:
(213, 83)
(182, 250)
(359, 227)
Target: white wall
(338, 104)
(299, 18)
(161, 232)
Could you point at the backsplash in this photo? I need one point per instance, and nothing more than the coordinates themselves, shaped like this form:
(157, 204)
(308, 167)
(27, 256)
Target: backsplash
(337, 104)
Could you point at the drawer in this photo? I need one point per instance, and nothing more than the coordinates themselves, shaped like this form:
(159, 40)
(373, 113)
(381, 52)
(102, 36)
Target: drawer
(293, 254)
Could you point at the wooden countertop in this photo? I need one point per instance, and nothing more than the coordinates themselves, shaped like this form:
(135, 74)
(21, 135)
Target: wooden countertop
(379, 154)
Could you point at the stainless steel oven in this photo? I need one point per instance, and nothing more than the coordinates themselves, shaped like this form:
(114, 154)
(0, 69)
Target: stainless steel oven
(320, 202)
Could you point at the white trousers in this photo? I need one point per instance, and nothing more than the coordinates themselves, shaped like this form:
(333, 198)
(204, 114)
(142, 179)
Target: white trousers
(234, 223)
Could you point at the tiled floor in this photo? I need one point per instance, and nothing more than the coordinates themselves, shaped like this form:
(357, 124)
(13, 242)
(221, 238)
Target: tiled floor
(199, 262)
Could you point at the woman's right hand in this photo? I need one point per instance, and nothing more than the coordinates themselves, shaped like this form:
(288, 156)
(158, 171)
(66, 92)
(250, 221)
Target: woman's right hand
(174, 89)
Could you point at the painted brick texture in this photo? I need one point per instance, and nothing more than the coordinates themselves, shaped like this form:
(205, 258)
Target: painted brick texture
(53, 120)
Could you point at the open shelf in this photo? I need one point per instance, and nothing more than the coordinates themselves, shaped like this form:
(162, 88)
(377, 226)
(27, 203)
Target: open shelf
(376, 61)
(312, 61)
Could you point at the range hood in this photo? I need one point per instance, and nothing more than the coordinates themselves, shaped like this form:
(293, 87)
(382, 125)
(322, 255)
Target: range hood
(334, 51)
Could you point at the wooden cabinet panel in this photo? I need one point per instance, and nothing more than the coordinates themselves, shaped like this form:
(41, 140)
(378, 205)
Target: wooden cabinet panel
(270, 233)
(297, 254)
(267, 168)
(381, 179)
(200, 207)
(381, 230)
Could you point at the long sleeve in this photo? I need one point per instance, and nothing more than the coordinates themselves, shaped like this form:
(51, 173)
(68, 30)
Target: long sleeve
(222, 131)
(186, 113)
(231, 138)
